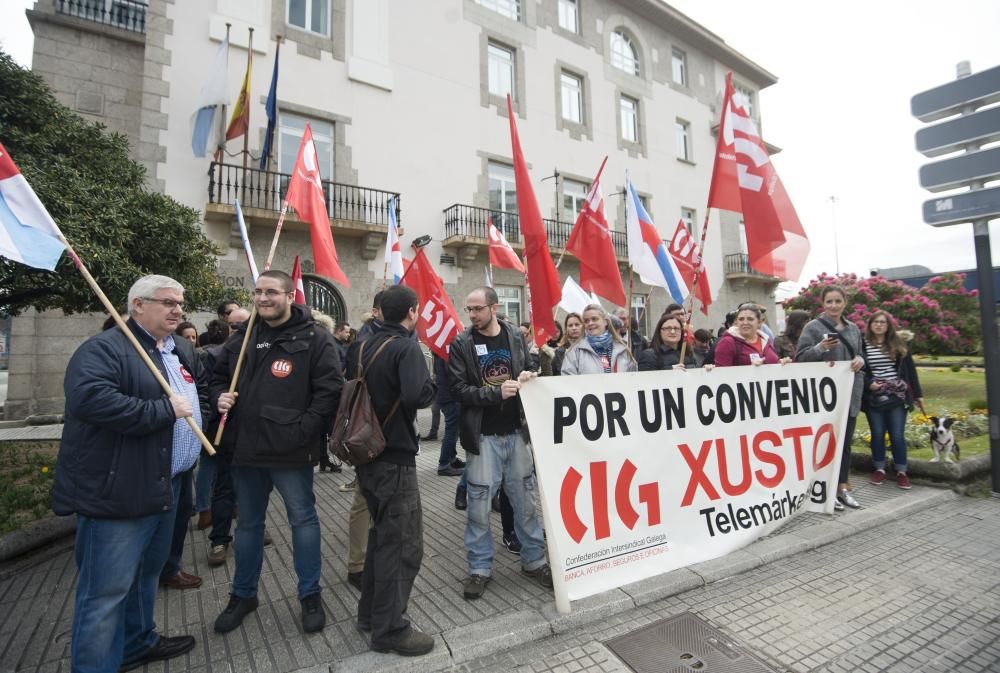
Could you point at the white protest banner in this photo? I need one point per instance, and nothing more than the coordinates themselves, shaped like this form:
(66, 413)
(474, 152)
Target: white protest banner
(644, 473)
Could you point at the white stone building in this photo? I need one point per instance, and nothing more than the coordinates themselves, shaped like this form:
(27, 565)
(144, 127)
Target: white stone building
(406, 98)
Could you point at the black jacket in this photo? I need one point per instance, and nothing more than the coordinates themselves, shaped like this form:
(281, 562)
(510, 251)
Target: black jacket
(117, 441)
(467, 384)
(668, 357)
(288, 395)
(400, 373)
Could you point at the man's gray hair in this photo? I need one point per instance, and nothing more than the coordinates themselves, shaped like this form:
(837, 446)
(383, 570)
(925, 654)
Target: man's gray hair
(147, 285)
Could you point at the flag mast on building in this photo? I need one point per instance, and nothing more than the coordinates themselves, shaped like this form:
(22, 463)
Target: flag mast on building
(208, 115)
(393, 253)
(271, 109)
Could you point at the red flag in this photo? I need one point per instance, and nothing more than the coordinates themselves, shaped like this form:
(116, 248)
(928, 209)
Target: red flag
(684, 250)
(546, 290)
(300, 289)
(437, 320)
(501, 254)
(305, 194)
(744, 181)
(591, 243)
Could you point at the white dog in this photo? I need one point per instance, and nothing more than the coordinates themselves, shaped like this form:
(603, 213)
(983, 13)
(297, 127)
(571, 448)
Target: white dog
(942, 439)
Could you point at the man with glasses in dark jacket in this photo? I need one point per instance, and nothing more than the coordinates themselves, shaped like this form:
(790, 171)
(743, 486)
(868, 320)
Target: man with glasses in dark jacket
(399, 384)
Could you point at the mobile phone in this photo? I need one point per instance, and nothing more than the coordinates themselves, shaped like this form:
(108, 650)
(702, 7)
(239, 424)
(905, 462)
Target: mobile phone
(832, 335)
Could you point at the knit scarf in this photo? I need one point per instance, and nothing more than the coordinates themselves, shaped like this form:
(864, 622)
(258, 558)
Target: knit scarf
(602, 345)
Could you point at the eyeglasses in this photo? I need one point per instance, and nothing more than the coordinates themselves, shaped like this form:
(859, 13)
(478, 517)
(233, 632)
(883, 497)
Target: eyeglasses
(169, 304)
(477, 309)
(270, 294)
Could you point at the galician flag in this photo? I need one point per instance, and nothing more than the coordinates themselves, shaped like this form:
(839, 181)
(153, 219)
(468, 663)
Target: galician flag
(205, 121)
(647, 253)
(393, 254)
(27, 232)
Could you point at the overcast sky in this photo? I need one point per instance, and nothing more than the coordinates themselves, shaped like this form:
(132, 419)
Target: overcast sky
(840, 111)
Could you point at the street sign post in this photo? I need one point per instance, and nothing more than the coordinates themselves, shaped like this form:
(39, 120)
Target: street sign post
(969, 131)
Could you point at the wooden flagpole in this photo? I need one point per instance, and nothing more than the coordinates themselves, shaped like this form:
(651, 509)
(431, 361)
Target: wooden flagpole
(250, 321)
(131, 337)
(628, 333)
(694, 284)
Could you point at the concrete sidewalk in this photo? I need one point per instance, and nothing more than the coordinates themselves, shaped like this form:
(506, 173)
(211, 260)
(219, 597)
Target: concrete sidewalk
(36, 597)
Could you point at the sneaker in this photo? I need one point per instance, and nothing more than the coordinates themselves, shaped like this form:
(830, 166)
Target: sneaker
(878, 476)
(450, 471)
(217, 554)
(474, 586)
(512, 544)
(430, 436)
(234, 613)
(838, 506)
(267, 538)
(903, 481)
(458, 462)
(542, 575)
(412, 644)
(461, 499)
(313, 615)
(847, 499)
(349, 486)
(354, 579)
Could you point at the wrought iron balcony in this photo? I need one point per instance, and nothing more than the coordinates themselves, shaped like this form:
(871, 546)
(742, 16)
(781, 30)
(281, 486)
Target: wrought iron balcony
(738, 266)
(468, 225)
(125, 14)
(265, 190)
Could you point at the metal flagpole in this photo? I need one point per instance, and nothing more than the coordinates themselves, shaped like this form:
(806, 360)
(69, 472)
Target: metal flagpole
(694, 284)
(220, 148)
(246, 133)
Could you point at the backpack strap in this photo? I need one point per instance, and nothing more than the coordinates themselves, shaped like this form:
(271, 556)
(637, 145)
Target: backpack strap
(363, 372)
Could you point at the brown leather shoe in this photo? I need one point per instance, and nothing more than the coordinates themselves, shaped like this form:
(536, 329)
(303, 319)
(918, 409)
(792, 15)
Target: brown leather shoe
(204, 519)
(182, 580)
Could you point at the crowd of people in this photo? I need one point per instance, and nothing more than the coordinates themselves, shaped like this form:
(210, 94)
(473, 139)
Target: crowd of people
(127, 463)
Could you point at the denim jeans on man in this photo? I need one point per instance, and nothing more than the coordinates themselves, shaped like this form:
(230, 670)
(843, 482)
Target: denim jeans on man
(183, 505)
(508, 459)
(452, 413)
(253, 491)
(395, 547)
(893, 420)
(119, 562)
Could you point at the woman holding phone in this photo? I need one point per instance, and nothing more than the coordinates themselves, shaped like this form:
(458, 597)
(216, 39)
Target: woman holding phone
(830, 338)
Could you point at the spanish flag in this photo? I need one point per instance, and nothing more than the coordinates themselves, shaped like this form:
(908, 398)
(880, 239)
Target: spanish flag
(240, 121)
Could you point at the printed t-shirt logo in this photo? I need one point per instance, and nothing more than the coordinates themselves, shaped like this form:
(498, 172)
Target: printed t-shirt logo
(495, 367)
(281, 368)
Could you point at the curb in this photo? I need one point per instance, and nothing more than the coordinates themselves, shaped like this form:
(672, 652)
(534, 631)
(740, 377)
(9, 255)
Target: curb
(953, 473)
(35, 535)
(503, 632)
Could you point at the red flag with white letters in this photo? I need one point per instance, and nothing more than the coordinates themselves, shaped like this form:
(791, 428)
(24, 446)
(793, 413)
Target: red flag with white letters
(437, 320)
(744, 181)
(590, 241)
(501, 254)
(684, 250)
(300, 288)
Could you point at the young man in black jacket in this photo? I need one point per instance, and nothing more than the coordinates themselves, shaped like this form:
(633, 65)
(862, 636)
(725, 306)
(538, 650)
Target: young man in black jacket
(287, 394)
(487, 364)
(389, 483)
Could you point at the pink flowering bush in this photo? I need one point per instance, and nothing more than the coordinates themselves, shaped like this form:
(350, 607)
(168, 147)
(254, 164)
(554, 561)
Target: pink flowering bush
(942, 315)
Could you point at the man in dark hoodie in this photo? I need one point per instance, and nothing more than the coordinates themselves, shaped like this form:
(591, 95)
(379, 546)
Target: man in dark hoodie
(287, 394)
(389, 483)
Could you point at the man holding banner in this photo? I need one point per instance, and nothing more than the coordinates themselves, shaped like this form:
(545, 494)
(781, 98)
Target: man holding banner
(487, 365)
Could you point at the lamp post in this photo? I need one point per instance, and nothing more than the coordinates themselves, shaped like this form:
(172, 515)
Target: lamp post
(836, 246)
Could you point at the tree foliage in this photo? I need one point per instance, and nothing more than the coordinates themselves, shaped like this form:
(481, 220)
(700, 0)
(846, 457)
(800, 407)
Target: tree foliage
(942, 315)
(97, 195)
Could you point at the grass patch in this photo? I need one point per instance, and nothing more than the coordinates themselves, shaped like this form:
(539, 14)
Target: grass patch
(27, 470)
(974, 360)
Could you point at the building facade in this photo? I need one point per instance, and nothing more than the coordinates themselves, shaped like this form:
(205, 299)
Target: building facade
(406, 101)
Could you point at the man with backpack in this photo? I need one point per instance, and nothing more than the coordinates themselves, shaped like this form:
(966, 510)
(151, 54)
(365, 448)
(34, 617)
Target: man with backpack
(389, 482)
(285, 399)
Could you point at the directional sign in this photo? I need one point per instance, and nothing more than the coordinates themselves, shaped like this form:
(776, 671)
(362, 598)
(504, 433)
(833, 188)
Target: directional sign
(948, 99)
(961, 170)
(964, 207)
(980, 127)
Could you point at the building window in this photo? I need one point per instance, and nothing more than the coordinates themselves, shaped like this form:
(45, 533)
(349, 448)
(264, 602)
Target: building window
(574, 195)
(290, 130)
(639, 316)
(322, 296)
(509, 8)
(510, 302)
(503, 198)
(311, 15)
(683, 130)
(629, 109)
(569, 18)
(679, 63)
(572, 97)
(623, 53)
(688, 217)
(748, 98)
(500, 66)
(742, 228)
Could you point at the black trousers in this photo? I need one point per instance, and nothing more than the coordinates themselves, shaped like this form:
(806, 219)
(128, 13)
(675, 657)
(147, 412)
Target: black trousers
(223, 501)
(182, 508)
(395, 547)
(845, 461)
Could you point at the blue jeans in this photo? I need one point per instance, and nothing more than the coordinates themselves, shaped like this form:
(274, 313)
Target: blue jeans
(893, 420)
(507, 459)
(205, 481)
(449, 443)
(253, 491)
(119, 563)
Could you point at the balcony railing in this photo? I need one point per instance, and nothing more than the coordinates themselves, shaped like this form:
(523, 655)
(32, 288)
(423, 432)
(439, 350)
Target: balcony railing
(266, 190)
(464, 220)
(125, 14)
(740, 264)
